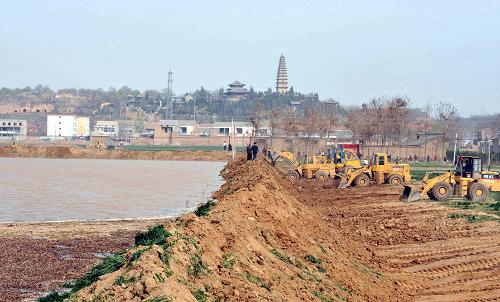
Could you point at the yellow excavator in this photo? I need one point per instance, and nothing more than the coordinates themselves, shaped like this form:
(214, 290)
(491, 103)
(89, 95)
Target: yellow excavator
(468, 180)
(381, 171)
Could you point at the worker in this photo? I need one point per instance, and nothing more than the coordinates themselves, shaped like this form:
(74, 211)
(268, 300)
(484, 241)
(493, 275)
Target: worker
(249, 152)
(255, 150)
(225, 146)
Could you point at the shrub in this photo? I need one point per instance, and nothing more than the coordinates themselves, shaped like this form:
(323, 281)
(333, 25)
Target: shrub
(197, 266)
(203, 209)
(155, 235)
(229, 260)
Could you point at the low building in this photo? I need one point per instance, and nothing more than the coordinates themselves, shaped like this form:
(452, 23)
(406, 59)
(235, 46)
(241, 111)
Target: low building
(227, 128)
(13, 129)
(61, 125)
(82, 126)
(181, 127)
(106, 128)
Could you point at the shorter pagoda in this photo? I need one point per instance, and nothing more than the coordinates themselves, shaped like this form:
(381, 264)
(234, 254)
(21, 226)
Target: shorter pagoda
(236, 91)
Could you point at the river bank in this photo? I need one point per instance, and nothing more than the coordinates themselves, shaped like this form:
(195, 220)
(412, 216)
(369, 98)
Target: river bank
(94, 153)
(38, 257)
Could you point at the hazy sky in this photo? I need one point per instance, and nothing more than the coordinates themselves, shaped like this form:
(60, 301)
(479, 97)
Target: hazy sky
(348, 50)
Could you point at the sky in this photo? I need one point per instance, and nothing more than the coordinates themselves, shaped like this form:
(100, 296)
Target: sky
(429, 51)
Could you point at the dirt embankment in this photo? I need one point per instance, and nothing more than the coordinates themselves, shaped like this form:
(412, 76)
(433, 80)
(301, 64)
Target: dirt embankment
(90, 153)
(259, 243)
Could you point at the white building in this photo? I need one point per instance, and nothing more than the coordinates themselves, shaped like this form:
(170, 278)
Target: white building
(106, 128)
(226, 128)
(61, 125)
(13, 129)
(182, 127)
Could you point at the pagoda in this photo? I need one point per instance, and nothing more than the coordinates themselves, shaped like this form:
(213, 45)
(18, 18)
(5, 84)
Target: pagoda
(282, 78)
(236, 91)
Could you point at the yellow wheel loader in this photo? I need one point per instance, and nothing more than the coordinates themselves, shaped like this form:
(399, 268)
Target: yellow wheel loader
(468, 180)
(380, 171)
(317, 167)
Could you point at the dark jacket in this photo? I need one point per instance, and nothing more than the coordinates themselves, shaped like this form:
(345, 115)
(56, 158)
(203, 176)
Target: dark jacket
(255, 149)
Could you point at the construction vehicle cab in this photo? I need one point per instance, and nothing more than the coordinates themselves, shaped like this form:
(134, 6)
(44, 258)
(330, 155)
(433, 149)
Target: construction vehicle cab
(381, 170)
(467, 180)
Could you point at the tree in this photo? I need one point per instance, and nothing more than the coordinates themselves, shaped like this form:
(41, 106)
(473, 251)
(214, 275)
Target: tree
(448, 118)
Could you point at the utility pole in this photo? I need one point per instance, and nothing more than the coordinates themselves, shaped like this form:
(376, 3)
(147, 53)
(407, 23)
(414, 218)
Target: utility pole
(455, 148)
(489, 155)
(234, 142)
(169, 94)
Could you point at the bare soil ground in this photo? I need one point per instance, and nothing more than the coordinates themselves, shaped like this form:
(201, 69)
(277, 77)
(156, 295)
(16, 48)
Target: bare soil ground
(91, 153)
(270, 240)
(441, 259)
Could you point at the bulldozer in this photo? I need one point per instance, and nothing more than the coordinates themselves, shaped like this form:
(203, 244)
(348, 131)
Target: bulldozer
(318, 167)
(381, 171)
(467, 180)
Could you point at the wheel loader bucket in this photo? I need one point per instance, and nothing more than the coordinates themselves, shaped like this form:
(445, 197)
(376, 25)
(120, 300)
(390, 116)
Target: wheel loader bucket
(342, 183)
(410, 194)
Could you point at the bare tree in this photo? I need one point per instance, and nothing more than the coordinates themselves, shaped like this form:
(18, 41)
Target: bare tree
(448, 118)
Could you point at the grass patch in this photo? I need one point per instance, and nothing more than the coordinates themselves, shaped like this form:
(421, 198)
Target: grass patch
(165, 258)
(365, 269)
(197, 267)
(159, 299)
(229, 260)
(321, 296)
(135, 256)
(257, 280)
(54, 297)
(471, 218)
(108, 265)
(156, 235)
(317, 262)
(123, 280)
(204, 209)
(200, 295)
(342, 287)
(281, 256)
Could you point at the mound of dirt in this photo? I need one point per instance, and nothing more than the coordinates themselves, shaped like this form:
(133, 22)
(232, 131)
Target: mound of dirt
(258, 243)
(92, 153)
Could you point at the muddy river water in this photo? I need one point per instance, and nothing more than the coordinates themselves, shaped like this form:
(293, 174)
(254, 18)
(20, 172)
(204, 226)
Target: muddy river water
(33, 189)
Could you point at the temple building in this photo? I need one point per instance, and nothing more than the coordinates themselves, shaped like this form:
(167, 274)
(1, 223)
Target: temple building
(282, 78)
(236, 91)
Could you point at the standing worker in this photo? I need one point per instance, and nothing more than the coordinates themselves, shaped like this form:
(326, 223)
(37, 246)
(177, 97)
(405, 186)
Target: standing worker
(249, 152)
(255, 150)
(225, 146)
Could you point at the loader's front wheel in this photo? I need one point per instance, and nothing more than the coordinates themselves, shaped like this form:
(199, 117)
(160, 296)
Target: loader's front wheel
(442, 191)
(321, 176)
(362, 180)
(293, 175)
(395, 179)
(477, 192)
